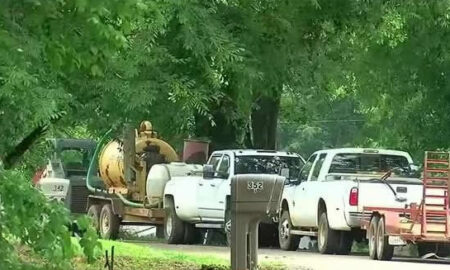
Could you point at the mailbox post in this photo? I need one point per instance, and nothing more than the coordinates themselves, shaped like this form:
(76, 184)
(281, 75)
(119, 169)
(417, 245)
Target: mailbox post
(253, 197)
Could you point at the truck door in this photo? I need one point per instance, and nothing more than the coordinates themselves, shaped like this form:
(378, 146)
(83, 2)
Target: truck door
(206, 192)
(222, 186)
(311, 193)
(298, 199)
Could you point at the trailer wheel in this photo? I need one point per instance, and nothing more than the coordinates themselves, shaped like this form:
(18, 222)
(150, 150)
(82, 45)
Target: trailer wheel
(94, 213)
(191, 234)
(173, 225)
(327, 238)
(372, 235)
(384, 250)
(109, 223)
(345, 243)
(287, 240)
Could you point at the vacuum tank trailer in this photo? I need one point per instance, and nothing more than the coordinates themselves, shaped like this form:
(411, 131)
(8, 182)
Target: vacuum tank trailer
(132, 174)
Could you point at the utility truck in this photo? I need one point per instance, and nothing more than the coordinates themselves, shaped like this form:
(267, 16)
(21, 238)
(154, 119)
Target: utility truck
(201, 201)
(329, 197)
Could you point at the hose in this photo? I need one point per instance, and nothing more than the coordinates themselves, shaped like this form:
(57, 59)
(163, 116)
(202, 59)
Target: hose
(90, 169)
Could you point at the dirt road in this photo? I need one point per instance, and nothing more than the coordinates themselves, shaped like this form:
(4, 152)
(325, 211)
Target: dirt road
(310, 260)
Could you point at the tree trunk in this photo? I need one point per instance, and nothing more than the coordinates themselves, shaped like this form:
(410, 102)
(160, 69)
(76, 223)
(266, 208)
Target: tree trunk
(264, 122)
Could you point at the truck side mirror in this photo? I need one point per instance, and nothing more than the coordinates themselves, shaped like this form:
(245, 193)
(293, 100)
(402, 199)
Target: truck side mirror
(208, 171)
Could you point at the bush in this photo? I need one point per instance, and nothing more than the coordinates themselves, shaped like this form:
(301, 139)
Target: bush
(28, 219)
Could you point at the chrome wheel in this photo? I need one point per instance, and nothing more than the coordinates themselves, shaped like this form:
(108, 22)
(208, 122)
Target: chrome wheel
(169, 225)
(228, 226)
(322, 235)
(372, 235)
(284, 229)
(105, 223)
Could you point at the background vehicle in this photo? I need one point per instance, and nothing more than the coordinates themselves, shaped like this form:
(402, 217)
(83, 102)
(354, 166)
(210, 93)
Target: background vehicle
(64, 178)
(199, 202)
(334, 186)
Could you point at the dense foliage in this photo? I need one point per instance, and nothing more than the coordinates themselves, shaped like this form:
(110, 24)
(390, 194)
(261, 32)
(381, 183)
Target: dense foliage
(301, 75)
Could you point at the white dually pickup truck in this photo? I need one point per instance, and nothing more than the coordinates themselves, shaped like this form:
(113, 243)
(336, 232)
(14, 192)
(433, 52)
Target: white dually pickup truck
(327, 199)
(200, 201)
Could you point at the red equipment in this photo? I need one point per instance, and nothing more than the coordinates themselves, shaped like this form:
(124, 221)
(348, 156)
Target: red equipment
(427, 223)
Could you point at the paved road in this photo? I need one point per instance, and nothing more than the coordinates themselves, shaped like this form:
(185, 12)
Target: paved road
(309, 260)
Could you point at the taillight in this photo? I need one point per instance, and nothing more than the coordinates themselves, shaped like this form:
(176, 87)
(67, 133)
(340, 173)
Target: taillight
(353, 198)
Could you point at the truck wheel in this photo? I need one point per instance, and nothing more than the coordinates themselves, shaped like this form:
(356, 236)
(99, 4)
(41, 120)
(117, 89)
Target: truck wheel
(94, 213)
(287, 240)
(327, 238)
(109, 223)
(191, 234)
(384, 250)
(227, 227)
(372, 235)
(345, 243)
(159, 231)
(173, 225)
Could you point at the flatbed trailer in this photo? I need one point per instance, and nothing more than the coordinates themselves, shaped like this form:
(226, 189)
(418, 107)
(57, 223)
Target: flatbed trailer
(427, 225)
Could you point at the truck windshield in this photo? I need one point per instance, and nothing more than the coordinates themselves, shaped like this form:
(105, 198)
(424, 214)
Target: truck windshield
(267, 164)
(361, 163)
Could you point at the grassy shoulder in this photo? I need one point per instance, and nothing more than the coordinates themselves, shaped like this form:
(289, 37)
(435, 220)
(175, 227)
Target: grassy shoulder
(132, 256)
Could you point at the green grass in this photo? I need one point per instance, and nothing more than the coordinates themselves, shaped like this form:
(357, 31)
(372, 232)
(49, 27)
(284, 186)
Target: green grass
(130, 256)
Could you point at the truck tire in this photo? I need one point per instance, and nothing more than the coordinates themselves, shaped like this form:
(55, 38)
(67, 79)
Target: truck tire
(109, 223)
(372, 235)
(227, 227)
(441, 250)
(191, 234)
(327, 238)
(345, 243)
(94, 213)
(385, 252)
(173, 225)
(287, 240)
(159, 231)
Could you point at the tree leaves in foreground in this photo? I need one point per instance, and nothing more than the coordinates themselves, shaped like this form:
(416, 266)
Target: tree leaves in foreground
(28, 218)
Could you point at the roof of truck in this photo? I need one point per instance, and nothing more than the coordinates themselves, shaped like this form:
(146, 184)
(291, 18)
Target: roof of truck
(258, 152)
(364, 150)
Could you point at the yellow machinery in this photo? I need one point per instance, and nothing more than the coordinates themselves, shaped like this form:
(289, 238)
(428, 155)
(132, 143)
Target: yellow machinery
(124, 166)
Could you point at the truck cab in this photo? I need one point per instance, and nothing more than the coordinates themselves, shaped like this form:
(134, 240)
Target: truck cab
(200, 201)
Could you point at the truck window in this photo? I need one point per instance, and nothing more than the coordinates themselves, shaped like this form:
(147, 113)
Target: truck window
(318, 167)
(267, 164)
(224, 167)
(361, 163)
(214, 160)
(307, 168)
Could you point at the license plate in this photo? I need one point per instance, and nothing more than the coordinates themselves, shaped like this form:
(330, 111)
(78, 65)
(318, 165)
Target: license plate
(396, 241)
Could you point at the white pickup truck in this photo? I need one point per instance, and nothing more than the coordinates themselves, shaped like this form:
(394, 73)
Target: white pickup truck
(200, 202)
(334, 186)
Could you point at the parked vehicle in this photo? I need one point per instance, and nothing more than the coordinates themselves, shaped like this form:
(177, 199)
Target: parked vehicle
(200, 202)
(327, 200)
(64, 178)
(426, 225)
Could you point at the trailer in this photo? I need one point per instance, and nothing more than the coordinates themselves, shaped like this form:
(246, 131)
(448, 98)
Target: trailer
(426, 225)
